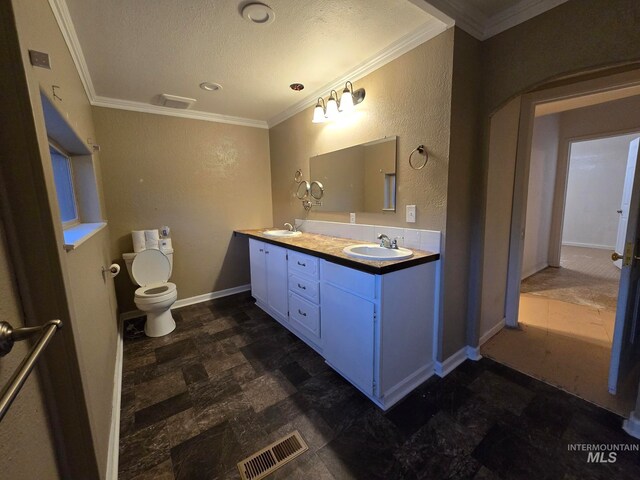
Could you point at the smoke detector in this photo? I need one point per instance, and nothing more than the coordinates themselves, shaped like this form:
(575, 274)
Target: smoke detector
(258, 13)
(173, 101)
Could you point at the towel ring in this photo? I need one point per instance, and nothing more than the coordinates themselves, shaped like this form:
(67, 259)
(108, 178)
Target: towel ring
(422, 151)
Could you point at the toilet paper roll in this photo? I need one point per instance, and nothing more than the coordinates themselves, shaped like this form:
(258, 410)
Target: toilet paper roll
(152, 239)
(138, 240)
(114, 269)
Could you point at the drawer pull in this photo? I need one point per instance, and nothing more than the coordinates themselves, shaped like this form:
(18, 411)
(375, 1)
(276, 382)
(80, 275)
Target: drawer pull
(302, 264)
(302, 287)
(266, 251)
(262, 250)
(302, 313)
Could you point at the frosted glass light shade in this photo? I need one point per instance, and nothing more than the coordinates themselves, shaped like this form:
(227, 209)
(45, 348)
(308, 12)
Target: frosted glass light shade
(318, 114)
(346, 101)
(332, 109)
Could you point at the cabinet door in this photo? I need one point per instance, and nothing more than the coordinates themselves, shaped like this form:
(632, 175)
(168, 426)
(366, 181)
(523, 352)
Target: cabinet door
(277, 291)
(348, 335)
(258, 270)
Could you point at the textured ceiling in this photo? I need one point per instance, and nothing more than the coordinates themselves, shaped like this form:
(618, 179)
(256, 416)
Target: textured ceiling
(138, 49)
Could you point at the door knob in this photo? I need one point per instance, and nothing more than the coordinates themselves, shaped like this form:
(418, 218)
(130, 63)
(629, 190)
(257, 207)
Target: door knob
(615, 256)
(619, 211)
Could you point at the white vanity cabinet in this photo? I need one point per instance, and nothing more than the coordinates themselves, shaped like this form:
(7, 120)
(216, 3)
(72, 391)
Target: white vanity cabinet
(269, 277)
(375, 330)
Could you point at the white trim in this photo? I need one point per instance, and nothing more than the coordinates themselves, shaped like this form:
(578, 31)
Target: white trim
(588, 245)
(114, 434)
(492, 331)
(210, 296)
(442, 369)
(63, 17)
(466, 16)
(133, 106)
(80, 233)
(406, 386)
(517, 14)
(632, 425)
(390, 53)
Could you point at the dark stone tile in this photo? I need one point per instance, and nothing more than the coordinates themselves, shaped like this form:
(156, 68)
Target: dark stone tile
(143, 450)
(507, 454)
(244, 373)
(498, 391)
(162, 410)
(508, 373)
(221, 362)
(548, 414)
(267, 390)
(159, 389)
(366, 448)
(194, 373)
(284, 411)
(182, 349)
(207, 455)
(181, 427)
(294, 373)
(440, 449)
(214, 389)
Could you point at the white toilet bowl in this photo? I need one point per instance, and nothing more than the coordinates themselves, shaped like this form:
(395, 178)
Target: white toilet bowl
(151, 270)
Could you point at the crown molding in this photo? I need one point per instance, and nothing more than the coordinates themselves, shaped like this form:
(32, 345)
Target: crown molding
(172, 112)
(477, 24)
(519, 13)
(390, 53)
(63, 17)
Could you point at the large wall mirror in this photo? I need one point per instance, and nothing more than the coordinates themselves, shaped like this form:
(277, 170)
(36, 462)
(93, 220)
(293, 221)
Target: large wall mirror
(357, 179)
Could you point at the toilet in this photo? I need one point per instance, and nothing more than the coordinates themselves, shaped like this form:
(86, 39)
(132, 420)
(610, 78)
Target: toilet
(151, 270)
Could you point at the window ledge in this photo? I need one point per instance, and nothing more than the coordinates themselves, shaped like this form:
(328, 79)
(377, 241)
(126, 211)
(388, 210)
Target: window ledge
(78, 234)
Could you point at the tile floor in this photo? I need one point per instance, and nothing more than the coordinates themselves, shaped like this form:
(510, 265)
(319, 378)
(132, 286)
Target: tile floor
(230, 380)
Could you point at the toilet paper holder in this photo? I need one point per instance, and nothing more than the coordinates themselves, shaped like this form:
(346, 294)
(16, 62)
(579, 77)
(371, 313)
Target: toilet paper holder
(113, 269)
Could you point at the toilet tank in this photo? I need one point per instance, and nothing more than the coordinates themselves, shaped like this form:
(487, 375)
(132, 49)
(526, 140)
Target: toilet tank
(128, 260)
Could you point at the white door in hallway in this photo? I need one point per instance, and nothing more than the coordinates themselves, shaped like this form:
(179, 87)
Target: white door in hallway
(625, 351)
(626, 199)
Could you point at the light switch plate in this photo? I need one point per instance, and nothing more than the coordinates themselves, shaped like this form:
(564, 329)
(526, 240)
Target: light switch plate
(39, 59)
(411, 213)
(352, 217)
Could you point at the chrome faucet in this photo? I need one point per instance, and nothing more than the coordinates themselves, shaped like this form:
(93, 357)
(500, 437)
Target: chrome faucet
(290, 227)
(386, 242)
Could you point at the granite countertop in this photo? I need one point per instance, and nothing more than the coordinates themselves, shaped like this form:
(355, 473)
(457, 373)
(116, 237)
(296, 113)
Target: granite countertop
(330, 249)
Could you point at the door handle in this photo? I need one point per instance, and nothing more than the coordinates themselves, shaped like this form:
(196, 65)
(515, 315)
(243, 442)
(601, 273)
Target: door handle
(619, 211)
(615, 256)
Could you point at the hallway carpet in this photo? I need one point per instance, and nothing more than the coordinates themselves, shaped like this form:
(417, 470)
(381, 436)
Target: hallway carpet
(230, 380)
(586, 276)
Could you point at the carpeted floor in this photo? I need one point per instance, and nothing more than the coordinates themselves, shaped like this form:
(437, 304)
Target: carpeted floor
(586, 276)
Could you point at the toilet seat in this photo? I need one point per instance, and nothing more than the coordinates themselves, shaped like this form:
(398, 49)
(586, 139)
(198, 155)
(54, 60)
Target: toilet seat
(151, 267)
(155, 292)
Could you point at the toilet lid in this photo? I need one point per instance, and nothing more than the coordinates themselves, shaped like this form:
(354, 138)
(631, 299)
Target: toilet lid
(150, 266)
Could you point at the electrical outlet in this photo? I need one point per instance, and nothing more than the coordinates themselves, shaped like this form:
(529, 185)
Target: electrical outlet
(411, 213)
(352, 217)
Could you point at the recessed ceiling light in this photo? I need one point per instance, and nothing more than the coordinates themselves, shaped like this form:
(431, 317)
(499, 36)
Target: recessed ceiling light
(296, 86)
(258, 13)
(210, 87)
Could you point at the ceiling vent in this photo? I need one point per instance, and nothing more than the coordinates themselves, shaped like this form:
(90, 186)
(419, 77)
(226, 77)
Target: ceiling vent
(173, 101)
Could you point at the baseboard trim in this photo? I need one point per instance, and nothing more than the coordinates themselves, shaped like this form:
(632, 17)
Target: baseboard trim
(114, 434)
(184, 302)
(493, 331)
(541, 266)
(442, 369)
(588, 245)
(632, 425)
(402, 389)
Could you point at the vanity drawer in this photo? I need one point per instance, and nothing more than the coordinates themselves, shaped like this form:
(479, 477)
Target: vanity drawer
(301, 263)
(304, 287)
(349, 279)
(304, 315)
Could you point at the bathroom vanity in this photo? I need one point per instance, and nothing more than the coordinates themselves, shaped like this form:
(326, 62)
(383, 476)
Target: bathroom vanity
(372, 321)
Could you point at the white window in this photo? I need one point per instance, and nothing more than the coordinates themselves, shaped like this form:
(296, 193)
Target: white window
(63, 178)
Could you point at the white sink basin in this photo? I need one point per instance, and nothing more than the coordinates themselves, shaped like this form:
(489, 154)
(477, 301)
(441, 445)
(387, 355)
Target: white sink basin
(372, 251)
(281, 233)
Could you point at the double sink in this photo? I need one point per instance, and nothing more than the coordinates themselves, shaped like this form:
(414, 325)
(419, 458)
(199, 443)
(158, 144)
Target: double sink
(368, 251)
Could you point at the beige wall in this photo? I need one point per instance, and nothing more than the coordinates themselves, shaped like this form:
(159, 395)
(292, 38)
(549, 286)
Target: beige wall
(202, 179)
(90, 332)
(571, 38)
(542, 179)
(409, 97)
(25, 429)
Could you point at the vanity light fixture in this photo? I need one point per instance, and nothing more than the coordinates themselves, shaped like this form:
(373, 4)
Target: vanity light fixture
(349, 99)
(318, 112)
(332, 106)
